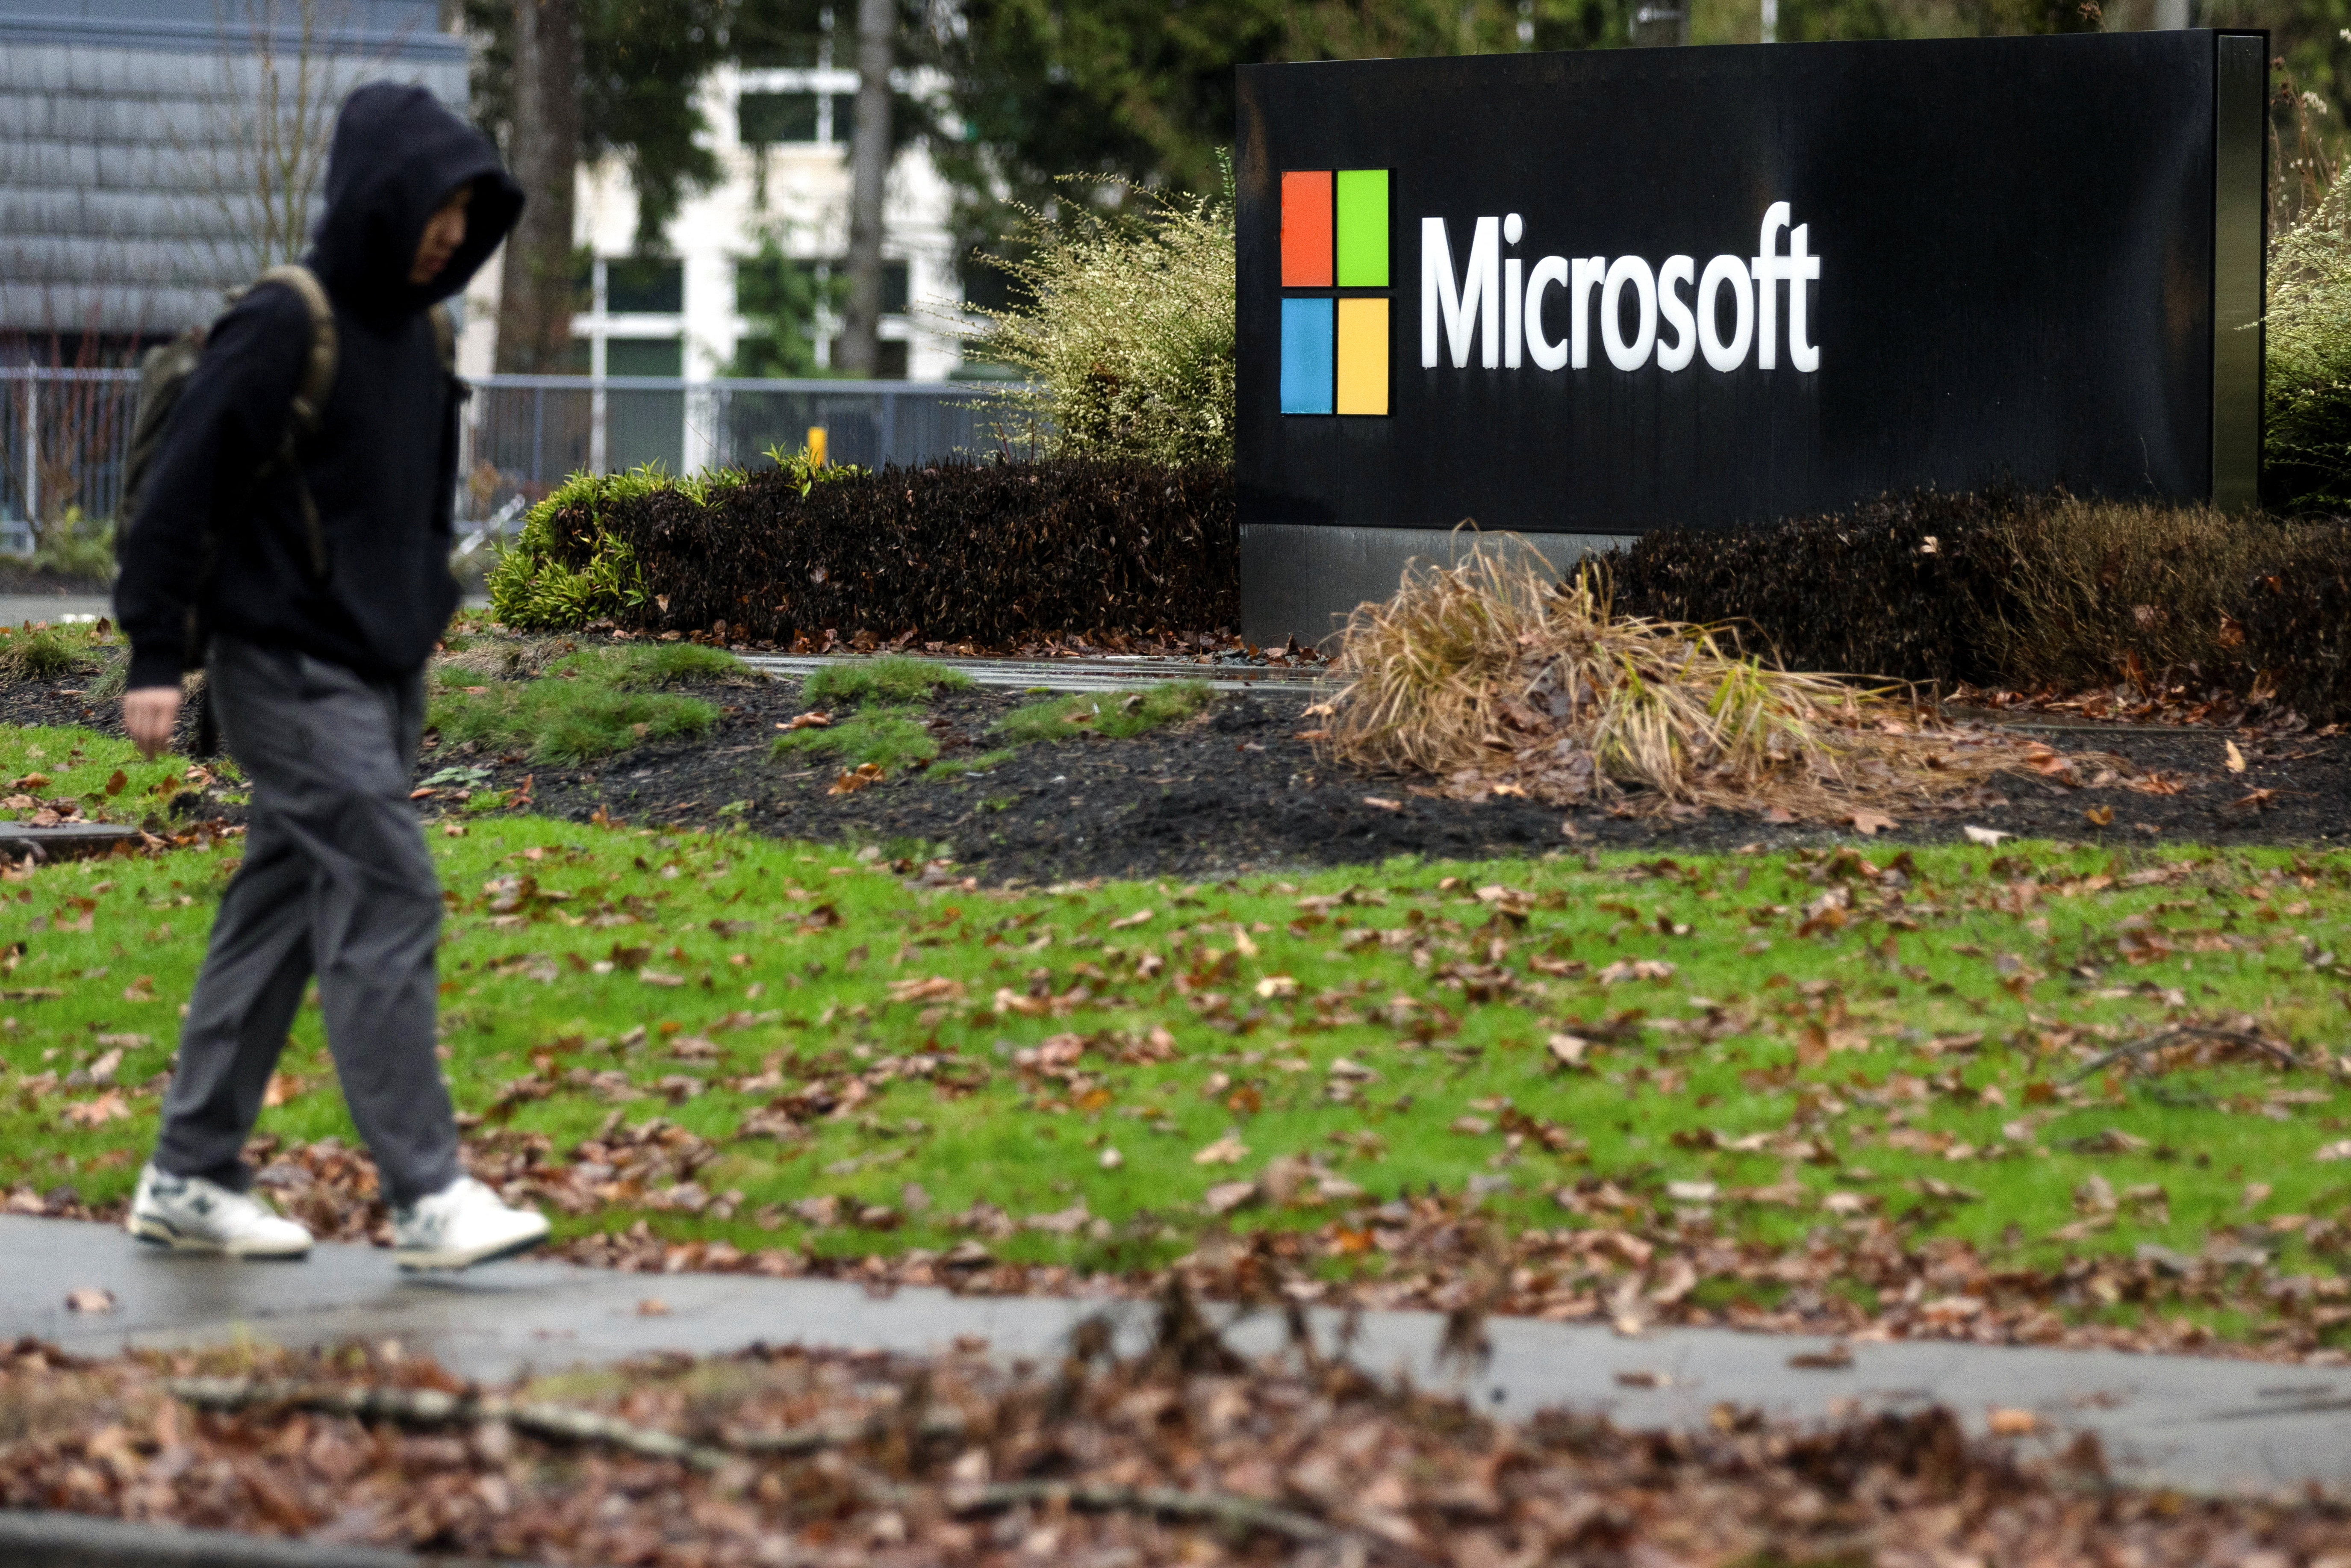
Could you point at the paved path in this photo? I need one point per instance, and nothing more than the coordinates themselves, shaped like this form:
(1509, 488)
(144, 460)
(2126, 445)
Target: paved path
(15, 609)
(2180, 1421)
(1108, 673)
(18, 607)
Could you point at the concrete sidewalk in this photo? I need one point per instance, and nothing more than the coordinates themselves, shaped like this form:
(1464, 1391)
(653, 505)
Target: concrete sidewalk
(18, 608)
(2188, 1422)
(1107, 673)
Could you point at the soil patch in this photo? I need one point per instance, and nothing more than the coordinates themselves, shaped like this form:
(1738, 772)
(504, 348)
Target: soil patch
(1236, 790)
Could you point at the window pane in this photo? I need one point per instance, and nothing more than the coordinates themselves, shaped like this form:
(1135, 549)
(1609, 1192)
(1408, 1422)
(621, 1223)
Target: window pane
(763, 118)
(889, 360)
(644, 357)
(895, 286)
(644, 285)
(780, 32)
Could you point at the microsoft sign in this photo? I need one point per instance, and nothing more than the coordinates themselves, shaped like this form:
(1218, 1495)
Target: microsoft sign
(1577, 297)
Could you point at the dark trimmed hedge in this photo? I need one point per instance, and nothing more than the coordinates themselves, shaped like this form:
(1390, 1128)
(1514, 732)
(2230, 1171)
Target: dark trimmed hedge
(2297, 624)
(2024, 591)
(989, 552)
(1863, 591)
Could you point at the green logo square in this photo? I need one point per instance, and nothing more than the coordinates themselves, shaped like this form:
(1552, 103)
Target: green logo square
(1362, 225)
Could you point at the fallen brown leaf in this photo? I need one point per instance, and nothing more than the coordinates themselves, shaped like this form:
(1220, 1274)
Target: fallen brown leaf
(1227, 1197)
(108, 1107)
(1646, 1378)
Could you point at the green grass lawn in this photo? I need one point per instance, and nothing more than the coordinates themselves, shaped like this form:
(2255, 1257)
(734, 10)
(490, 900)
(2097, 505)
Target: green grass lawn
(1780, 1043)
(103, 776)
(885, 728)
(1120, 716)
(590, 704)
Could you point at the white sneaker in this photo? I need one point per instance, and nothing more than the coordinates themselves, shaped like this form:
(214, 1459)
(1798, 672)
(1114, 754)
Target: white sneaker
(189, 1214)
(460, 1225)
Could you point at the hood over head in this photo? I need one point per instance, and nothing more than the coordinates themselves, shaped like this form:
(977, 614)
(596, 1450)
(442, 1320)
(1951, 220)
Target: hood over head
(398, 154)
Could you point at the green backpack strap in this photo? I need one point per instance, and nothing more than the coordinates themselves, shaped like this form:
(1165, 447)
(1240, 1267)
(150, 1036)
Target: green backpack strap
(445, 339)
(318, 383)
(308, 407)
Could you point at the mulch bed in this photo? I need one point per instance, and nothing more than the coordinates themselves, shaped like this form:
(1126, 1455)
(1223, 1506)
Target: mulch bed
(1185, 1454)
(1236, 790)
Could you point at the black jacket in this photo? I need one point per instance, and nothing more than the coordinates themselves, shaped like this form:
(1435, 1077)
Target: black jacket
(382, 466)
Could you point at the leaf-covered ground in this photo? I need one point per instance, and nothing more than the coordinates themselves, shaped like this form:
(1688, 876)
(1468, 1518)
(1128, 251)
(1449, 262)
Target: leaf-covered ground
(1185, 1455)
(1862, 1088)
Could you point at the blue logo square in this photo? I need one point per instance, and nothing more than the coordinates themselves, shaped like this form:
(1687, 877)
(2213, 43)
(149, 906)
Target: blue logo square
(1308, 353)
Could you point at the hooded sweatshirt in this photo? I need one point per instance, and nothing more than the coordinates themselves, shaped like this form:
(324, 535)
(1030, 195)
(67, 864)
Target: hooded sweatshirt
(210, 545)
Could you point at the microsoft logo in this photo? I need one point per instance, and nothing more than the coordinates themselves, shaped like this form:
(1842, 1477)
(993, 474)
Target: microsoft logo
(1335, 347)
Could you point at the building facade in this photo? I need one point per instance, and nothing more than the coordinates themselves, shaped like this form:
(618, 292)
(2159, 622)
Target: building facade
(724, 286)
(138, 161)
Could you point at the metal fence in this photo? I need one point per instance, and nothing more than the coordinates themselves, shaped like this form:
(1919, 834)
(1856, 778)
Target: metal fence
(65, 435)
(525, 434)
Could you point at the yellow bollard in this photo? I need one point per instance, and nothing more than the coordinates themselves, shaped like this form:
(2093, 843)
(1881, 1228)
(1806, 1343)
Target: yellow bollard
(815, 445)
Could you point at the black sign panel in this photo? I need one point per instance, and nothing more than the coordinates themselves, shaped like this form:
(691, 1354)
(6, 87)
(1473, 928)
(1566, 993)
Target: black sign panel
(1619, 289)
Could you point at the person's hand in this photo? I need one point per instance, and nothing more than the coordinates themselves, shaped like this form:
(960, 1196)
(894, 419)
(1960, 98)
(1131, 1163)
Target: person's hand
(148, 714)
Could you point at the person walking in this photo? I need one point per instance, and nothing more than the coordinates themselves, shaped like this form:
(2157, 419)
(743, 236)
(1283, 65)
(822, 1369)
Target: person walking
(300, 556)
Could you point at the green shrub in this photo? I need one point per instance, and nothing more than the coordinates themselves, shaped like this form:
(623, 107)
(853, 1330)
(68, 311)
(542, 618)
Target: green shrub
(566, 568)
(1119, 715)
(2306, 425)
(983, 552)
(1128, 344)
(893, 678)
(75, 546)
(563, 570)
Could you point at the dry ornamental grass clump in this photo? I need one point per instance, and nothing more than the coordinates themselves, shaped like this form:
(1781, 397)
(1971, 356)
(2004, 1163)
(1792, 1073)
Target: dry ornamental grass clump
(1497, 680)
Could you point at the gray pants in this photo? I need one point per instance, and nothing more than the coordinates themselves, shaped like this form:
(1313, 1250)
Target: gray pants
(336, 883)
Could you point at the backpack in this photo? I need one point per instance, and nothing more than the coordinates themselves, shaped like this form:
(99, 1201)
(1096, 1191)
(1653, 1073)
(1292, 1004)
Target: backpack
(163, 373)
